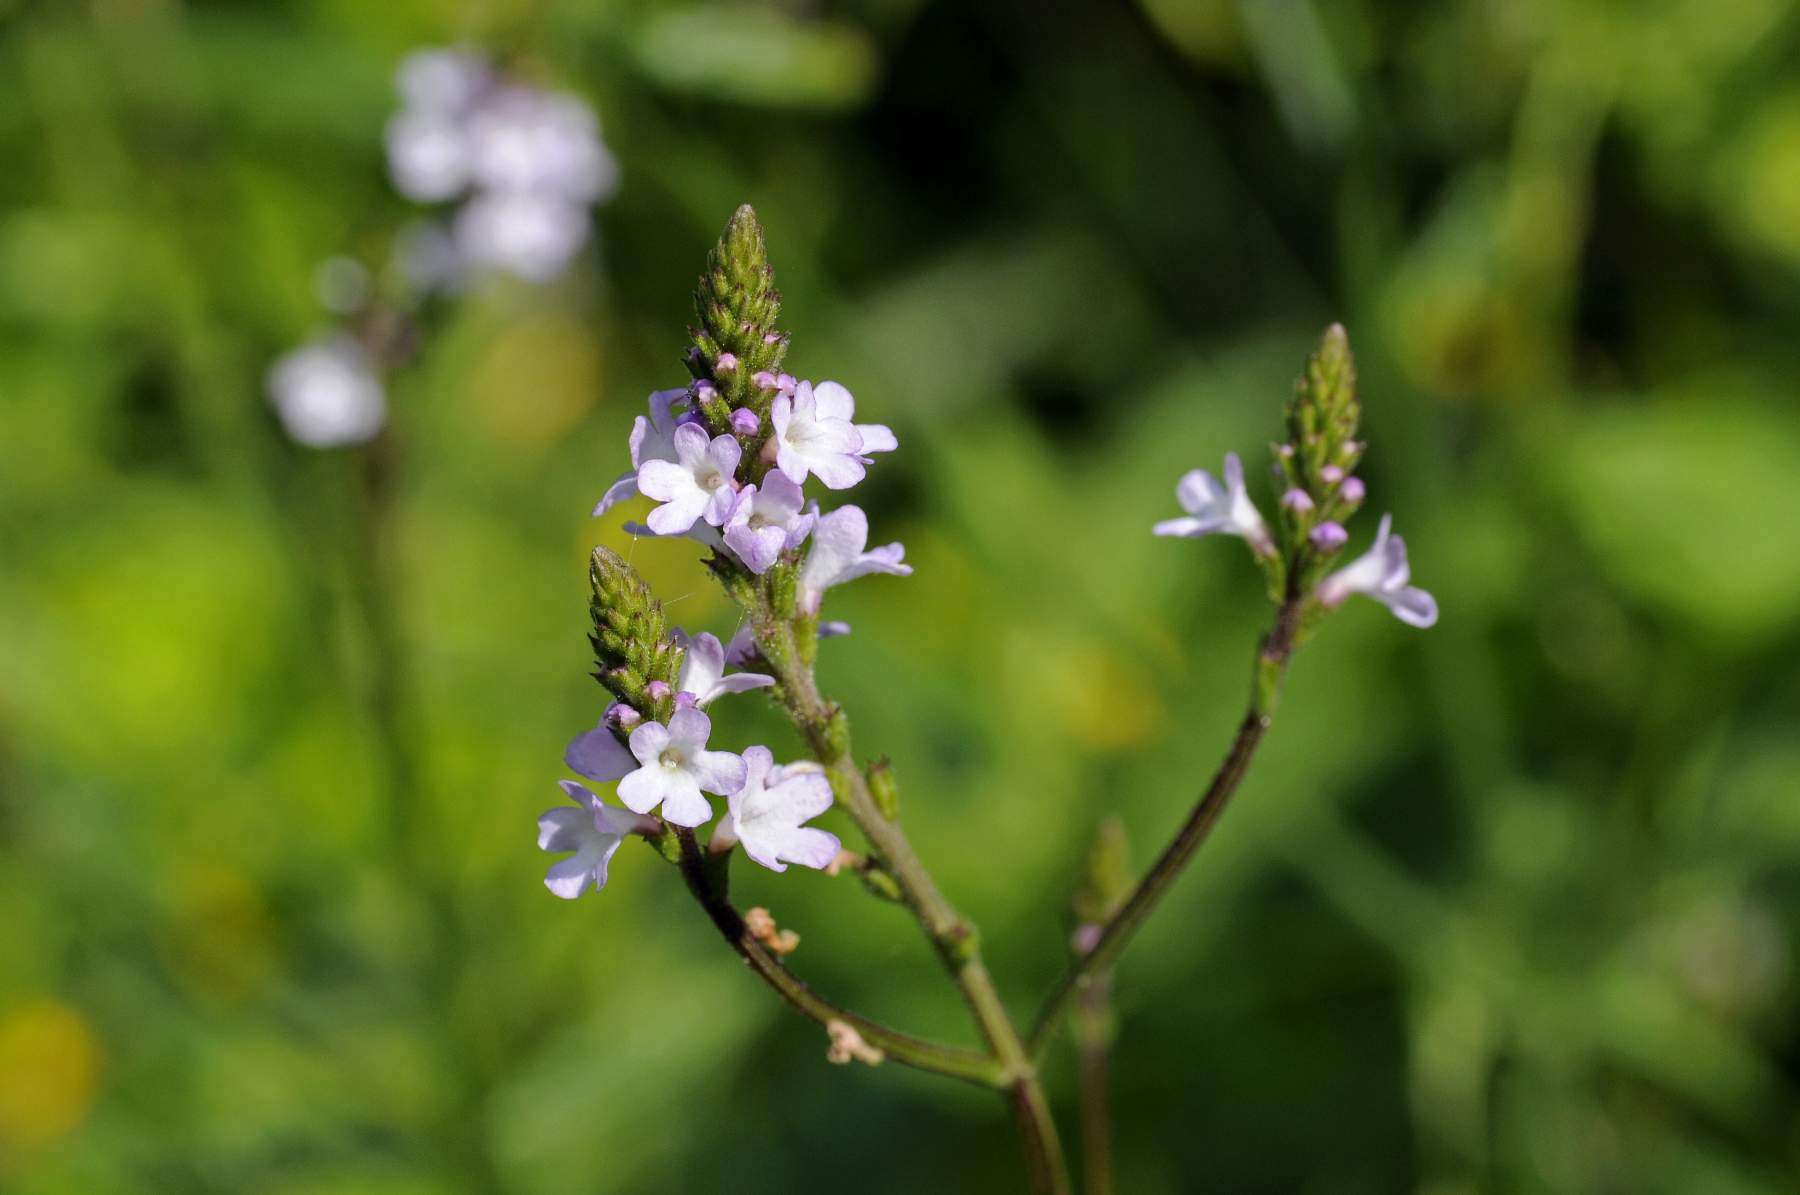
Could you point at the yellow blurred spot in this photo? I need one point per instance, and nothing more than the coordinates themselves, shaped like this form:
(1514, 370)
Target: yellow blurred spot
(536, 379)
(1762, 178)
(50, 1063)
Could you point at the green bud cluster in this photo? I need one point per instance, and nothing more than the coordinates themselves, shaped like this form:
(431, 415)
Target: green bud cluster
(1321, 451)
(631, 641)
(736, 304)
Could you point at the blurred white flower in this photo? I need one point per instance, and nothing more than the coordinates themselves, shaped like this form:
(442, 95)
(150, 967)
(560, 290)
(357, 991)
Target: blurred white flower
(531, 235)
(443, 81)
(532, 141)
(327, 393)
(428, 155)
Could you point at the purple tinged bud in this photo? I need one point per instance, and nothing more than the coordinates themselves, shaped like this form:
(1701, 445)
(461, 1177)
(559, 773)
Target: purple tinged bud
(744, 421)
(1350, 449)
(786, 382)
(705, 391)
(656, 690)
(727, 363)
(764, 380)
(1285, 451)
(1297, 500)
(1331, 474)
(1329, 537)
(771, 338)
(1352, 489)
(686, 701)
(622, 715)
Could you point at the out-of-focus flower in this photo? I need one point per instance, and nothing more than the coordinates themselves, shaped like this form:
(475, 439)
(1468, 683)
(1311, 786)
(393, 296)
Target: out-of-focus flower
(1382, 573)
(768, 811)
(592, 830)
(525, 233)
(837, 555)
(327, 394)
(526, 141)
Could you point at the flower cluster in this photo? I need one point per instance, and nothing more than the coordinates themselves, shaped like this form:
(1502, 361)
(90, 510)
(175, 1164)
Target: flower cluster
(725, 461)
(526, 163)
(1314, 467)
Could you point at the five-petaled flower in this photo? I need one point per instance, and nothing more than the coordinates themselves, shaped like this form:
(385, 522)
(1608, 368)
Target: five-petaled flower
(675, 768)
(767, 813)
(703, 670)
(697, 484)
(1219, 509)
(592, 830)
(1382, 573)
(766, 521)
(814, 433)
(837, 555)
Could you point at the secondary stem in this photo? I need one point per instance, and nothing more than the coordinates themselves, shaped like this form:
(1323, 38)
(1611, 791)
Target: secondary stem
(957, 943)
(1272, 660)
(1092, 1029)
(951, 1061)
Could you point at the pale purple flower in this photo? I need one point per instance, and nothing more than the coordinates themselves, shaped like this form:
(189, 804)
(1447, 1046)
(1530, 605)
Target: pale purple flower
(1382, 573)
(703, 670)
(767, 813)
(1219, 509)
(725, 363)
(675, 768)
(1331, 474)
(763, 379)
(621, 715)
(327, 393)
(592, 830)
(697, 484)
(598, 754)
(700, 533)
(1351, 490)
(744, 421)
(814, 434)
(1328, 536)
(656, 690)
(767, 521)
(652, 439)
(837, 555)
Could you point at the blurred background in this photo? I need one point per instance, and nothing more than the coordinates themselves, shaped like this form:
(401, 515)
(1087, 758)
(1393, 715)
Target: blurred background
(1507, 905)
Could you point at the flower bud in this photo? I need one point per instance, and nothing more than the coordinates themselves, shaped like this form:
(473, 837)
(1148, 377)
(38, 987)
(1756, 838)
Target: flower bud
(744, 421)
(657, 690)
(1352, 489)
(725, 363)
(1297, 500)
(764, 379)
(1329, 537)
(623, 716)
(1331, 474)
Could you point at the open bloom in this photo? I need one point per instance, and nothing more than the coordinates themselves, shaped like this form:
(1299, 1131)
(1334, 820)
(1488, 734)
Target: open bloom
(598, 754)
(766, 814)
(814, 434)
(674, 768)
(592, 830)
(652, 439)
(1382, 573)
(703, 670)
(1218, 509)
(837, 555)
(766, 521)
(697, 484)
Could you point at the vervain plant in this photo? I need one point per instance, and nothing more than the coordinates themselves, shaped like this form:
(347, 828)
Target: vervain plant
(726, 459)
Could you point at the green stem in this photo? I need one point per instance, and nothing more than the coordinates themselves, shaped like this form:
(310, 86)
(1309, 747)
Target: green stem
(826, 731)
(951, 1061)
(1092, 1028)
(1271, 665)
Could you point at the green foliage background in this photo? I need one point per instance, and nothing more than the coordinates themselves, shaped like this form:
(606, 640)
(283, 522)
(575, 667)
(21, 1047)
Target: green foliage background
(1507, 906)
